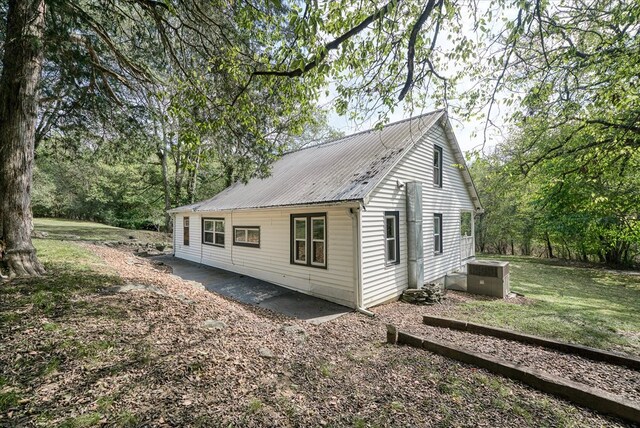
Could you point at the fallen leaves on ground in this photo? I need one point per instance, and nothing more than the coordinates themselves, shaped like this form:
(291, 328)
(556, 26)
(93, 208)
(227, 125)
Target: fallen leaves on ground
(188, 357)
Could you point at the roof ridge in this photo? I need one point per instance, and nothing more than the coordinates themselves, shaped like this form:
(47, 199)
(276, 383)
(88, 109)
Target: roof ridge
(337, 139)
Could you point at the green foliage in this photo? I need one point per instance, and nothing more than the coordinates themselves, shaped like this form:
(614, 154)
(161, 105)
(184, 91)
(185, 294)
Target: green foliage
(580, 80)
(508, 224)
(8, 399)
(587, 205)
(82, 421)
(127, 419)
(148, 105)
(84, 187)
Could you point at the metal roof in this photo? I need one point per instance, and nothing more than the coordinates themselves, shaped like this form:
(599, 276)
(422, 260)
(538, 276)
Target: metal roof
(346, 169)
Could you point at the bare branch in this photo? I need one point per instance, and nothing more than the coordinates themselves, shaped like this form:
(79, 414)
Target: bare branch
(411, 49)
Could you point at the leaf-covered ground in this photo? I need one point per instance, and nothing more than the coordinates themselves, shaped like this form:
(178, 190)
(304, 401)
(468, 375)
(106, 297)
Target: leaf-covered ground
(75, 353)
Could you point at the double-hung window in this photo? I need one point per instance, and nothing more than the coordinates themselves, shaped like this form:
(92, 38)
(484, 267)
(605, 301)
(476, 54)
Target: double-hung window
(437, 166)
(213, 231)
(246, 236)
(392, 237)
(309, 239)
(466, 222)
(185, 231)
(437, 233)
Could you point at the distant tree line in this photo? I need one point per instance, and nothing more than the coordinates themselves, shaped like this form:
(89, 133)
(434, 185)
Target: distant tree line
(581, 207)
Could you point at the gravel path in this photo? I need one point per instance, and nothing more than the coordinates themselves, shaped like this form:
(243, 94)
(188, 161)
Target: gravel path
(608, 377)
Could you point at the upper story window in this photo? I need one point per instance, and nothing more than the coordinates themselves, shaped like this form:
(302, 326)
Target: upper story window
(213, 231)
(392, 237)
(309, 239)
(437, 166)
(466, 223)
(437, 233)
(185, 230)
(246, 236)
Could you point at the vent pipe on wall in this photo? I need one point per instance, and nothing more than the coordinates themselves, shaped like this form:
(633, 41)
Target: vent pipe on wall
(415, 251)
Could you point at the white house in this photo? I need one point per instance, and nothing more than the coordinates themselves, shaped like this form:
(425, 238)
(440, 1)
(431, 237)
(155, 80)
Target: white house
(342, 220)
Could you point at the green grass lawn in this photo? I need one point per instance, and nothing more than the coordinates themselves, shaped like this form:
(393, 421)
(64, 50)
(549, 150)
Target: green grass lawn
(90, 231)
(590, 306)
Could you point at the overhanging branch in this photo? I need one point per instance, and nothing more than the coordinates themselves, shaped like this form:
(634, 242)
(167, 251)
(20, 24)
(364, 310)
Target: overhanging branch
(332, 45)
(411, 49)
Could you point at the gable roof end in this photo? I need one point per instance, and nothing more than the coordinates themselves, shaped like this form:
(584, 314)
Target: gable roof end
(459, 157)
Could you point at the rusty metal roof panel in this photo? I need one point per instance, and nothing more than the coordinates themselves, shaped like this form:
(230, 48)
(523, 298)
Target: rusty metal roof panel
(346, 169)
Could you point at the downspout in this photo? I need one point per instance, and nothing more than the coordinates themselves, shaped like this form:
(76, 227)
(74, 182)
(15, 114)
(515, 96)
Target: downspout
(356, 221)
(232, 237)
(201, 237)
(415, 256)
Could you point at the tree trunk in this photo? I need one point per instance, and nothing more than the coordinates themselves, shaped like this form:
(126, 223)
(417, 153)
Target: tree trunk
(228, 175)
(162, 154)
(583, 252)
(193, 178)
(549, 247)
(21, 66)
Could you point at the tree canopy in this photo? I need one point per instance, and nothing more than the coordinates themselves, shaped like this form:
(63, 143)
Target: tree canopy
(229, 86)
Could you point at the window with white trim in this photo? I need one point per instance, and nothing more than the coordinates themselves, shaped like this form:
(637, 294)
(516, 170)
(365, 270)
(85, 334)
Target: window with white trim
(392, 237)
(213, 231)
(318, 241)
(437, 233)
(309, 239)
(246, 236)
(466, 221)
(300, 240)
(185, 231)
(437, 166)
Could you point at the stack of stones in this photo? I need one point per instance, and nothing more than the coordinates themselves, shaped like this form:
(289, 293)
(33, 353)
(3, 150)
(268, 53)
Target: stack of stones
(141, 249)
(427, 295)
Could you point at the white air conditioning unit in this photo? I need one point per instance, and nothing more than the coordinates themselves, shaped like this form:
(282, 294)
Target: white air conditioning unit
(489, 278)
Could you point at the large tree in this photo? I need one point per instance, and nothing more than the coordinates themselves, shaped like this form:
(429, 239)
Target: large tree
(22, 62)
(104, 61)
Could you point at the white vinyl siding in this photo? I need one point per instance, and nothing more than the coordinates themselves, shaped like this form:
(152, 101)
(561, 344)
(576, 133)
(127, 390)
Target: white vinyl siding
(383, 282)
(272, 261)
(192, 251)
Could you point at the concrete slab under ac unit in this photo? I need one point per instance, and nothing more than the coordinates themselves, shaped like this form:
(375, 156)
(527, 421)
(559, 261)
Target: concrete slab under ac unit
(456, 281)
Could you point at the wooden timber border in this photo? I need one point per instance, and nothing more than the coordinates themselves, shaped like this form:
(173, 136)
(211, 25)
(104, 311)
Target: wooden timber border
(569, 348)
(575, 392)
